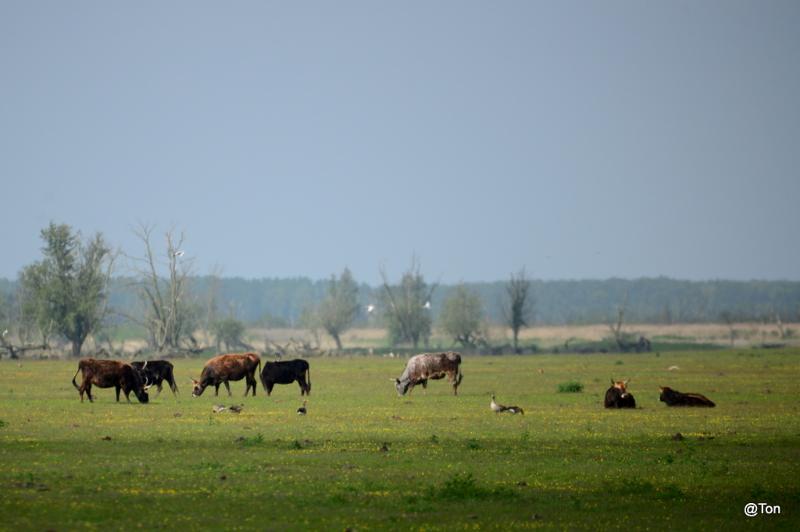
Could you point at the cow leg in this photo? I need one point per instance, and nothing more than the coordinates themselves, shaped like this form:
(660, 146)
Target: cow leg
(253, 383)
(89, 392)
(302, 383)
(456, 382)
(116, 388)
(227, 387)
(269, 389)
(158, 389)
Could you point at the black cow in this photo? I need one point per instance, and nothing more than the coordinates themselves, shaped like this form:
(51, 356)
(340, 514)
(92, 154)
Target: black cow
(156, 372)
(286, 372)
(676, 398)
(618, 397)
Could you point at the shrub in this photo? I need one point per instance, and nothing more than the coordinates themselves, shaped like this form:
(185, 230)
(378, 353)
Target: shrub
(570, 387)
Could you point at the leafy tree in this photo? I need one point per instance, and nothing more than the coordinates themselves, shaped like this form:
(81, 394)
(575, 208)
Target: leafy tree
(461, 317)
(66, 292)
(407, 307)
(518, 309)
(340, 307)
(229, 331)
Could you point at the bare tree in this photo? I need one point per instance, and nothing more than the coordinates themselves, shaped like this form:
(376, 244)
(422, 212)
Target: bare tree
(518, 310)
(168, 314)
(616, 328)
(407, 306)
(727, 317)
(782, 331)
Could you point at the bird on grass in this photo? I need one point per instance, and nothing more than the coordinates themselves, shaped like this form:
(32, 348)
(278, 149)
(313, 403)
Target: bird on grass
(302, 410)
(498, 408)
(236, 408)
(219, 408)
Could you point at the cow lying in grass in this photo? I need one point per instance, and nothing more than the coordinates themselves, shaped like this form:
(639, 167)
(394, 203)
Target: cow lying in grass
(618, 397)
(676, 398)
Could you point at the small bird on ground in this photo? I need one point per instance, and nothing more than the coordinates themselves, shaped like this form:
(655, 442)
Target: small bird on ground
(236, 408)
(497, 408)
(302, 410)
(219, 408)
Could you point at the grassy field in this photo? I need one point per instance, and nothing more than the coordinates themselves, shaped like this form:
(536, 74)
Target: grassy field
(366, 459)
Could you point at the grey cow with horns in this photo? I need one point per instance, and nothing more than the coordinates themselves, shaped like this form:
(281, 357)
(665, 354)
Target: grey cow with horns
(434, 366)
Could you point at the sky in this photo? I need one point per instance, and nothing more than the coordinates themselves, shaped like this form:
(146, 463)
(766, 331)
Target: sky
(577, 139)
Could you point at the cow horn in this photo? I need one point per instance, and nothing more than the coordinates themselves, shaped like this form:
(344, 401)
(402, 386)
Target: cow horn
(145, 364)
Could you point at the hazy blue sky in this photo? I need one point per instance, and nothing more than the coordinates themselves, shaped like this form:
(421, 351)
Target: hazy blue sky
(580, 139)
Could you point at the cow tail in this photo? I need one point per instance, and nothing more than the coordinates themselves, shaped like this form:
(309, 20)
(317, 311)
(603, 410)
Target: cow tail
(261, 376)
(308, 379)
(172, 384)
(75, 384)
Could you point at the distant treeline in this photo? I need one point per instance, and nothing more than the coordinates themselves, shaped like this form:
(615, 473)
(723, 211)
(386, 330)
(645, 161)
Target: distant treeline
(281, 302)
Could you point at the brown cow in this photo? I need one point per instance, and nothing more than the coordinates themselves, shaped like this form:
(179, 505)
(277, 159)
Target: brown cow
(676, 398)
(618, 397)
(426, 366)
(111, 373)
(224, 368)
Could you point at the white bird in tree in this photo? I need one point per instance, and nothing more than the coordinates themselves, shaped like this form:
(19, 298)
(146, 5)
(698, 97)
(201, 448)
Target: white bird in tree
(370, 308)
(498, 408)
(178, 253)
(427, 304)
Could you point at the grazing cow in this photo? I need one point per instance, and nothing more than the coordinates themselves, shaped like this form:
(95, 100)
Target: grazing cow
(156, 372)
(108, 374)
(676, 398)
(224, 368)
(618, 397)
(426, 366)
(286, 372)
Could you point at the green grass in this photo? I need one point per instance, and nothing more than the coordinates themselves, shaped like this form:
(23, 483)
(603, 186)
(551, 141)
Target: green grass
(364, 458)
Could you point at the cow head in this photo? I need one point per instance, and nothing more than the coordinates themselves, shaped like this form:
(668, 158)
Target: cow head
(137, 383)
(197, 388)
(622, 386)
(401, 386)
(666, 394)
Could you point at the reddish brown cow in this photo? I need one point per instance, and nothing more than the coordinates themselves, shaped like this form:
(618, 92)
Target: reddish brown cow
(618, 397)
(224, 368)
(111, 373)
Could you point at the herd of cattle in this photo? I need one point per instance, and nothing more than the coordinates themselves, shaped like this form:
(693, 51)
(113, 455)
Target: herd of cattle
(138, 377)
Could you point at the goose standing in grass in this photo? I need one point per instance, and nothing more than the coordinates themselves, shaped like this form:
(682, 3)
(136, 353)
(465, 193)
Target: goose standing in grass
(498, 408)
(302, 410)
(236, 409)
